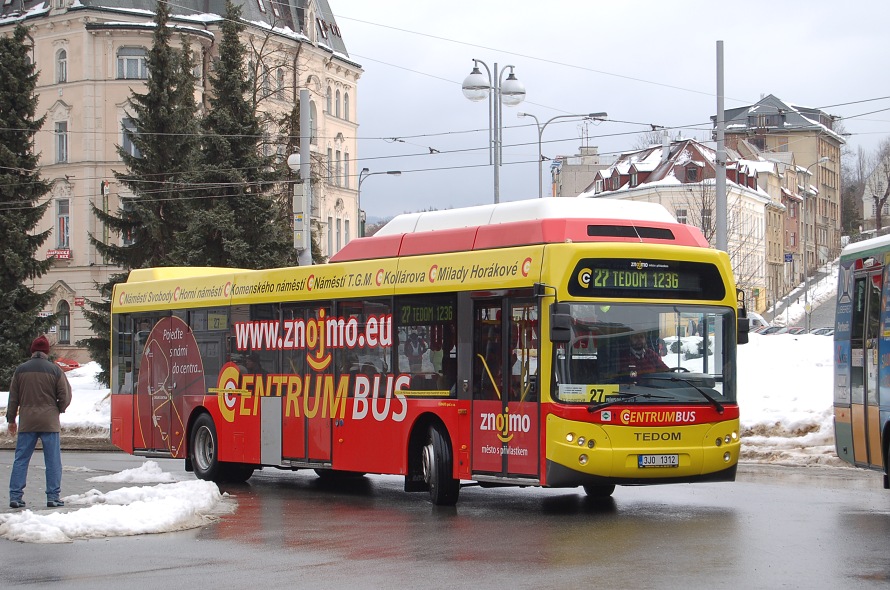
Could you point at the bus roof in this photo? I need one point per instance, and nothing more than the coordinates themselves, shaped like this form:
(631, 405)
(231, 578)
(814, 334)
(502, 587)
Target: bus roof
(858, 248)
(518, 223)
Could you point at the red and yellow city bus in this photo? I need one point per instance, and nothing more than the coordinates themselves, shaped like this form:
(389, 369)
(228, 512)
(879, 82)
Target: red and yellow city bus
(490, 344)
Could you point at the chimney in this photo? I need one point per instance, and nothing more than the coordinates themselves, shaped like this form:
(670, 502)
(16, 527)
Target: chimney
(665, 147)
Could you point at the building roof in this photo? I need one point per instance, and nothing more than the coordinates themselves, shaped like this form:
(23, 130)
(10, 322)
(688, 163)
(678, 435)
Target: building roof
(281, 16)
(794, 118)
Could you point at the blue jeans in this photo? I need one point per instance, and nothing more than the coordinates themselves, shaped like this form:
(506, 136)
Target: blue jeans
(52, 459)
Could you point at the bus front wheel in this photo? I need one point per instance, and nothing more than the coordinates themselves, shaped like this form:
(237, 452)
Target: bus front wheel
(438, 469)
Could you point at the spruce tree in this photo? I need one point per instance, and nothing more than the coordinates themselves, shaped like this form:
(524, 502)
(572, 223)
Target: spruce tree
(236, 222)
(166, 137)
(21, 189)
(167, 141)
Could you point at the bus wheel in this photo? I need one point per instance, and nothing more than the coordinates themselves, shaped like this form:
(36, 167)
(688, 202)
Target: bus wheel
(601, 491)
(204, 445)
(237, 472)
(438, 468)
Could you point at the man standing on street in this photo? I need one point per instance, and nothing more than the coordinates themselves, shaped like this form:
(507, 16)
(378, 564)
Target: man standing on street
(38, 393)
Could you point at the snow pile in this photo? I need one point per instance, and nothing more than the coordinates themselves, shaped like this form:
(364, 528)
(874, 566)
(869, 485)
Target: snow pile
(123, 512)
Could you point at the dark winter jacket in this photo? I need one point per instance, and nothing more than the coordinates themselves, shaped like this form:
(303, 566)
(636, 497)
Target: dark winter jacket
(645, 361)
(38, 393)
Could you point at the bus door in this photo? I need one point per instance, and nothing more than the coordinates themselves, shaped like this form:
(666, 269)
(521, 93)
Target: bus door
(864, 353)
(169, 369)
(305, 426)
(504, 387)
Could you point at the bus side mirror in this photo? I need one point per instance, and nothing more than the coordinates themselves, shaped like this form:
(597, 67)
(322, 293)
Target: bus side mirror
(744, 326)
(560, 322)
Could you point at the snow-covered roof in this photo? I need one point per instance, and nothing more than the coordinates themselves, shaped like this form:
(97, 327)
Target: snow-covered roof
(281, 17)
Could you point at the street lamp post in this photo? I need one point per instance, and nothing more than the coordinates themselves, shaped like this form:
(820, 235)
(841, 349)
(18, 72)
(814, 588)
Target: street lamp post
(806, 276)
(301, 219)
(362, 176)
(541, 136)
(499, 92)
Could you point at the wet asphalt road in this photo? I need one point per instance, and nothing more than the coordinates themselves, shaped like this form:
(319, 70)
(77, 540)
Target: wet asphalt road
(774, 527)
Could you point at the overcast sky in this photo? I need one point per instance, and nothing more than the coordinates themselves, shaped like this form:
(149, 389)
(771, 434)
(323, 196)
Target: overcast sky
(642, 62)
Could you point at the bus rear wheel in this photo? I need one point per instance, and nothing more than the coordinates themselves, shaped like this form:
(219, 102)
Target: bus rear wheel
(599, 491)
(204, 449)
(438, 467)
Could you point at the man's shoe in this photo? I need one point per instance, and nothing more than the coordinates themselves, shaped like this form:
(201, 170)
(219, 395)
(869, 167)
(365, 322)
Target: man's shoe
(54, 504)
(16, 503)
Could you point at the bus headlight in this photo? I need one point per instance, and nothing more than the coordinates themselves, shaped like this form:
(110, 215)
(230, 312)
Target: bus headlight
(581, 441)
(726, 457)
(582, 459)
(727, 439)
(719, 441)
(570, 437)
(590, 444)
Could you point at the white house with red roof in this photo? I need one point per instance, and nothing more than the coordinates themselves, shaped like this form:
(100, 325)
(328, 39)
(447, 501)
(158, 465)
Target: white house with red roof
(680, 176)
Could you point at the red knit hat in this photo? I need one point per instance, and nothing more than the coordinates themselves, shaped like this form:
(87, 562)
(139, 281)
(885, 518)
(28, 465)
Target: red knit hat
(40, 344)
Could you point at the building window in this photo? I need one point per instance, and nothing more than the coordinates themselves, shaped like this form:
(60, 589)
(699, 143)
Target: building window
(346, 170)
(62, 212)
(634, 179)
(337, 172)
(266, 82)
(279, 86)
(330, 235)
(329, 97)
(793, 239)
(691, 174)
(346, 105)
(346, 231)
(616, 183)
(705, 219)
(127, 238)
(597, 186)
(61, 142)
(128, 130)
(330, 165)
(63, 312)
(337, 105)
(261, 6)
(61, 66)
(131, 63)
(680, 214)
(339, 233)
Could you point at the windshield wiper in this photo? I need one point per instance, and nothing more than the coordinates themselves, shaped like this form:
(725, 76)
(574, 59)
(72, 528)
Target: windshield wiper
(717, 405)
(620, 397)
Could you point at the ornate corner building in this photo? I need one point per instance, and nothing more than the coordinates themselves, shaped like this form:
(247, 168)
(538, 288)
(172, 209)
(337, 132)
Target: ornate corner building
(91, 54)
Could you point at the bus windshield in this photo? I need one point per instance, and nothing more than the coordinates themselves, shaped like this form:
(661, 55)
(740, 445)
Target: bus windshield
(639, 353)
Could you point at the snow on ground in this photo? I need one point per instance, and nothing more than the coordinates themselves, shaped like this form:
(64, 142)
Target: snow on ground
(785, 399)
(126, 511)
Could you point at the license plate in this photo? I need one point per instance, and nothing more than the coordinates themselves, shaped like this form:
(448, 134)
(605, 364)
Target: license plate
(658, 460)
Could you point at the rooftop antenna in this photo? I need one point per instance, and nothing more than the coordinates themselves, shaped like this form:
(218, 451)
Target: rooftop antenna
(585, 132)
